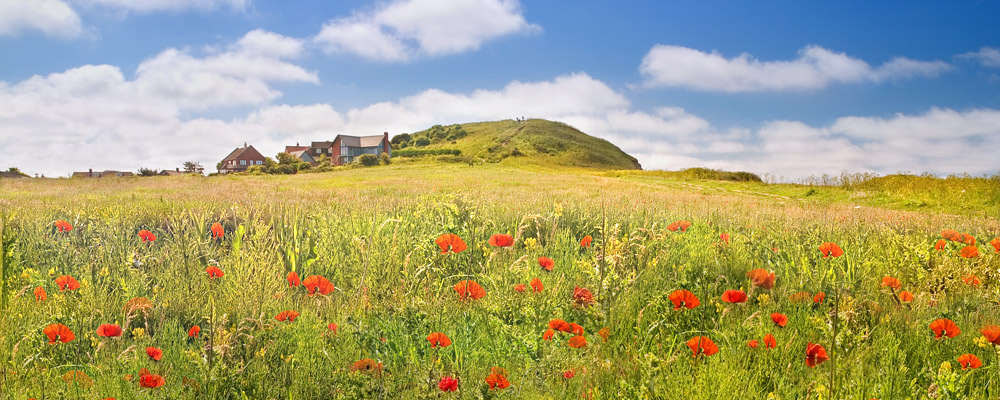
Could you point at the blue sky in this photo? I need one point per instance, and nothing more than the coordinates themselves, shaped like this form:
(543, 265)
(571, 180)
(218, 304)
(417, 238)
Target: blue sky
(788, 89)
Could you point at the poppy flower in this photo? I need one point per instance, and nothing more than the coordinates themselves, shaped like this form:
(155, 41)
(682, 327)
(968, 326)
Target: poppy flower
(968, 239)
(109, 330)
(58, 332)
(469, 290)
(194, 331)
(438, 339)
(969, 361)
(769, 341)
(549, 333)
(940, 245)
(702, 345)
(501, 240)
(815, 354)
(734, 296)
(577, 341)
(366, 365)
(891, 282)
(905, 296)
(799, 297)
(971, 280)
(217, 231)
(318, 283)
(497, 381)
(762, 278)
(63, 226)
(333, 327)
(40, 294)
(944, 327)
(830, 249)
(569, 374)
(214, 272)
(560, 325)
(585, 242)
(519, 287)
(969, 252)
(779, 319)
(293, 279)
(450, 242)
(67, 282)
(151, 381)
(683, 225)
(154, 353)
(820, 296)
(753, 343)
(575, 329)
(724, 237)
(996, 244)
(546, 263)
(147, 236)
(448, 384)
(582, 296)
(604, 333)
(683, 298)
(287, 315)
(992, 334)
(952, 235)
(536, 284)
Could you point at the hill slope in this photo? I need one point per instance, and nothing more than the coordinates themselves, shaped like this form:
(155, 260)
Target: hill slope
(535, 141)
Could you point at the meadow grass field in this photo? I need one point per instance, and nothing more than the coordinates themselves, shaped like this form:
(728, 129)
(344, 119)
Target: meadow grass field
(621, 324)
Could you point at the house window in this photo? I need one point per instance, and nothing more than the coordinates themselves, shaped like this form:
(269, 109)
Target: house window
(259, 162)
(243, 162)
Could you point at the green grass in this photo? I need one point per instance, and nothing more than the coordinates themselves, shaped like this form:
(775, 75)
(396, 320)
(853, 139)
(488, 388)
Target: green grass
(371, 232)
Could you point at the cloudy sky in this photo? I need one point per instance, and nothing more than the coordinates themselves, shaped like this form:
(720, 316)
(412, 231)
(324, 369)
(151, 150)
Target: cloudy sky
(786, 88)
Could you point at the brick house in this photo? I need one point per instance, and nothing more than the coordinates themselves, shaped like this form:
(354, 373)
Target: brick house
(240, 159)
(344, 148)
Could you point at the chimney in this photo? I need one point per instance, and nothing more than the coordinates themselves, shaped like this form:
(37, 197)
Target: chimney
(90, 172)
(178, 169)
(244, 145)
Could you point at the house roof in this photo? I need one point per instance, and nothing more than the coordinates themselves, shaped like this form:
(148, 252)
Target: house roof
(292, 149)
(101, 174)
(243, 152)
(5, 174)
(362, 141)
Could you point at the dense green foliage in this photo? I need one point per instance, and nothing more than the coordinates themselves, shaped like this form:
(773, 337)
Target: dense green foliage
(428, 152)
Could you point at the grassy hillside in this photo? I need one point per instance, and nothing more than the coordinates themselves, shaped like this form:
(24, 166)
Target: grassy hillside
(531, 142)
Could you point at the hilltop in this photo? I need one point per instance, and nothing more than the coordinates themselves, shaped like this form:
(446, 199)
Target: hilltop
(533, 141)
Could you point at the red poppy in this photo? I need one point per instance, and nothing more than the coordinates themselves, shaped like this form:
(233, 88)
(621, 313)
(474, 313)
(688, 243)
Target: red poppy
(194, 331)
(317, 282)
(569, 374)
(969, 252)
(40, 294)
(151, 381)
(702, 345)
(582, 296)
(734, 296)
(549, 333)
(332, 327)
(293, 279)
(724, 237)
(577, 341)
(560, 325)
(604, 333)
(469, 290)
(63, 226)
(762, 278)
(815, 354)
(992, 334)
(214, 272)
(546, 263)
(769, 341)
(154, 353)
(799, 297)
(585, 242)
(830, 249)
(438, 339)
(940, 245)
(891, 282)
(367, 365)
(683, 298)
(109, 330)
(536, 284)
(683, 225)
(501, 240)
(944, 327)
(519, 287)
(58, 332)
(450, 242)
(952, 235)
(779, 319)
(67, 282)
(820, 296)
(448, 384)
(575, 329)
(971, 280)
(905, 296)
(996, 244)
(968, 239)
(497, 381)
(969, 361)
(287, 315)
(217, 231)
(147, 236)
(753, 343)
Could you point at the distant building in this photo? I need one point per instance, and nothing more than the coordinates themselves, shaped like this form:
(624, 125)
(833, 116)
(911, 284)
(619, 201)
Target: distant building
(240, 159)
(5, 174)
(175, 172)
(344, 148)
(101, 174)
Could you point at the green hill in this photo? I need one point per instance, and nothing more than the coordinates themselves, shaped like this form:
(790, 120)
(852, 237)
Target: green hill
(530, 142)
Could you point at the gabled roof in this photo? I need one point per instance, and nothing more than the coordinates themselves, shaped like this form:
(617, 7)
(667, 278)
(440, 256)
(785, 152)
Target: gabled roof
(243, 152)
(292, 149)
(361, 141)
(5, 174)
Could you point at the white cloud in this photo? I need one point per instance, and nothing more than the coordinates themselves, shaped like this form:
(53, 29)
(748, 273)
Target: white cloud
(815, 68)
(148, 6)
(51, 17)
(404, 29)
(987, 56)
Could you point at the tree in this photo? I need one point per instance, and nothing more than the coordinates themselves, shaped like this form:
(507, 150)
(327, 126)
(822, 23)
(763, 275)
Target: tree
(287, 159)
(192, 167)
(15, 170)
(423, 142)
(147, 172)
(400, 138)
(218, 166)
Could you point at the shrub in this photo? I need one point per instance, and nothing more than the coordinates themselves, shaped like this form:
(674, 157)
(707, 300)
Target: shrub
(384, 158)
(367, 160)
(400, 138)
(428, 152)
(423, 142)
